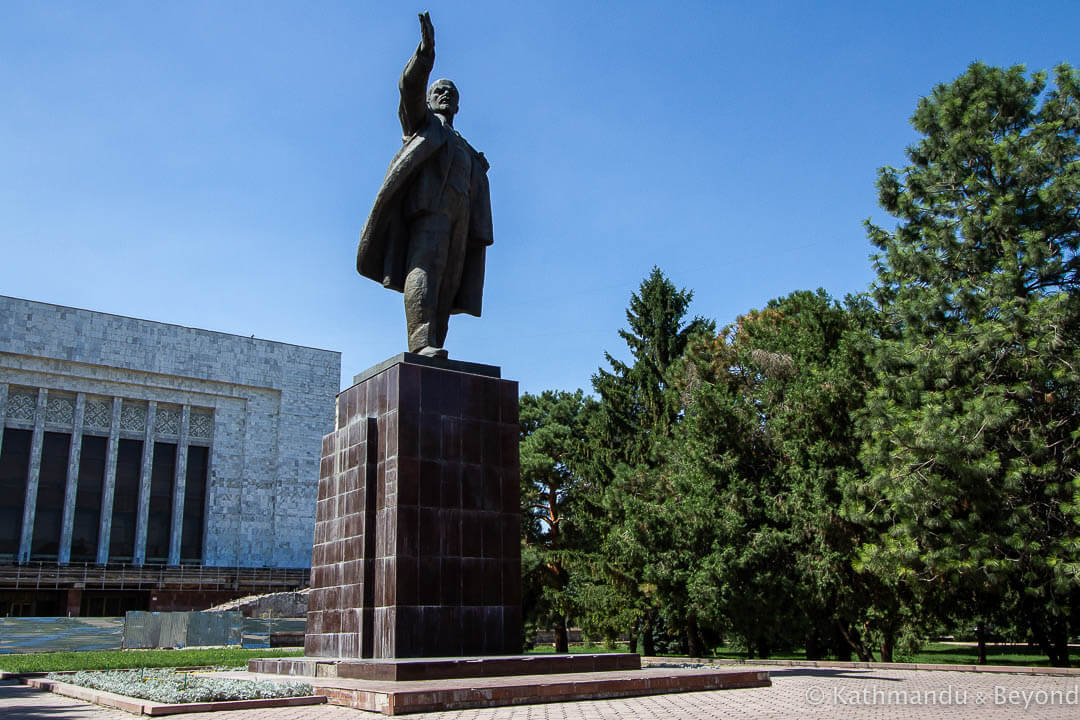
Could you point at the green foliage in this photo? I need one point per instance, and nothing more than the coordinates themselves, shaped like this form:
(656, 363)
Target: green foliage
(636, 407)
(628, 436)
(553, 450)
(848, 477)
(973, 426)
(762, 460)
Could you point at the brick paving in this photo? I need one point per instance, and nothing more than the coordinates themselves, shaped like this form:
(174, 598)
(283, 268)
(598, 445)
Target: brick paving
(797, 694)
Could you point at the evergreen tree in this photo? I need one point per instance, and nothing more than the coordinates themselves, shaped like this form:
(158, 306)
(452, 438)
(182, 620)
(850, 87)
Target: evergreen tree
(636, 414)
(721, 504)
(974, 429)
(553, 450)
(765, 454)
(636, 408)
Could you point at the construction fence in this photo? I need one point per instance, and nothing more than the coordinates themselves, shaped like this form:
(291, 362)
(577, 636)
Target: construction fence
(144, 630)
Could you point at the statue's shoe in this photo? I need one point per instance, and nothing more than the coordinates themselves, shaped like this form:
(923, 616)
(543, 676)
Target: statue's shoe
(433, 352)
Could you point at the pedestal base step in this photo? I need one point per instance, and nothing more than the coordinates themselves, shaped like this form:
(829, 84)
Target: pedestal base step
(402, 697)
(400, 669)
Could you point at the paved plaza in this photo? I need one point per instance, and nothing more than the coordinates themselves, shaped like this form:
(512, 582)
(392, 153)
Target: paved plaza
(797, 694)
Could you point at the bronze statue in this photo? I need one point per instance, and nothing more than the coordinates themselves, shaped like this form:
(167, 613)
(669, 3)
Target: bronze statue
(431, 222)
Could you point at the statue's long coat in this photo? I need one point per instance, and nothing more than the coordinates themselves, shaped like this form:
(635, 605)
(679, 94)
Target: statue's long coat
(384, 241)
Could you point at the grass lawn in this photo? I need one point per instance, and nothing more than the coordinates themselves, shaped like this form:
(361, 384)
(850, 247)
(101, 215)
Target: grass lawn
(723, 653)
(934, 653)
(942, 654)
(995, 655)
(931, 654)
(581, 648)
(118, 659)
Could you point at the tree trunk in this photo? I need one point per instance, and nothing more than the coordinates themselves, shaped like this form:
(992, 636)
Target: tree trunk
(647, 646)
(841, 650)
(634, 637)
(887, 643)
(813, 646)
(856, 643)
(1050, 633)
(980, 636)
(1057, 643)
(562, 641)
(1061, 643)
(693, 639)
(1051, 636)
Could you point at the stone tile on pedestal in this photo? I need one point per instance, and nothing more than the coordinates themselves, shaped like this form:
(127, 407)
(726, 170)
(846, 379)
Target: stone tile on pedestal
(416, 542)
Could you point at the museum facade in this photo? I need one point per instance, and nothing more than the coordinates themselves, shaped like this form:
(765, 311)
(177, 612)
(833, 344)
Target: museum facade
(174, 463)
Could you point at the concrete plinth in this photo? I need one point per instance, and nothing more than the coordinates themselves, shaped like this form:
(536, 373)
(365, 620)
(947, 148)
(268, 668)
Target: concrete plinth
(398, 698)
(417, 524)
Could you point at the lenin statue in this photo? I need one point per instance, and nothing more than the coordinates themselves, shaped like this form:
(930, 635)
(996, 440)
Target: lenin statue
(431, 221)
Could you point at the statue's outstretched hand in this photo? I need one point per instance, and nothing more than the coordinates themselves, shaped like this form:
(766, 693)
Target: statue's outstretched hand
(427, 34)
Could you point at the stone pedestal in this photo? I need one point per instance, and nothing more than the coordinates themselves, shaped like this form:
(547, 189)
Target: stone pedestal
(417, 525)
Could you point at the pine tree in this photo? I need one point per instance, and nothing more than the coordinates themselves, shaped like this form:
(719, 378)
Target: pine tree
(553, 549)
(974, 429)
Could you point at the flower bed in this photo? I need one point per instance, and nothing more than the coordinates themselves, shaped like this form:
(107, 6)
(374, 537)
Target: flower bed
(169, 686)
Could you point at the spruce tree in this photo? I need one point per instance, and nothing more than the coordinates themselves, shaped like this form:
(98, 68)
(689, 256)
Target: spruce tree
(636, 407)
(636, 414)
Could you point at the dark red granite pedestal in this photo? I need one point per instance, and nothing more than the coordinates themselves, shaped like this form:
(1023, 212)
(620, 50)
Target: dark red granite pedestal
(418, 519)
(416, 568)
(446, 668)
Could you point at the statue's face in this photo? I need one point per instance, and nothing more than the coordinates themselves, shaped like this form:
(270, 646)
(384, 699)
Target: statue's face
(442, 98)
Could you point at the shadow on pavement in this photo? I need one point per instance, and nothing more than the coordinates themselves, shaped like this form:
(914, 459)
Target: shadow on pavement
(20, 702)
(853, 673)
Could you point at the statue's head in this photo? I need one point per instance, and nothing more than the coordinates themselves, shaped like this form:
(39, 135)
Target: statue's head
(442, 98)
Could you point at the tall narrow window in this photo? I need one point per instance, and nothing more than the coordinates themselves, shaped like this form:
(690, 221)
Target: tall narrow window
(14, 466)
(84, 536)
(159, 526)
(125, 501)
(191, 539)
(49, 510)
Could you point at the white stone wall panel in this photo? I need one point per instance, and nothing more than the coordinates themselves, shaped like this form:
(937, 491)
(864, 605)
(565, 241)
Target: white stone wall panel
(270, 404)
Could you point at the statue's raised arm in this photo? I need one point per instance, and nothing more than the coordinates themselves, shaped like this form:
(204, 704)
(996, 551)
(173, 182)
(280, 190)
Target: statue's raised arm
(430, 225)
(427, 34)
(414, 79)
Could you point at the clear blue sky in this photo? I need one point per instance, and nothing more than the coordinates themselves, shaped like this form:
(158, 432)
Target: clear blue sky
(211, 163)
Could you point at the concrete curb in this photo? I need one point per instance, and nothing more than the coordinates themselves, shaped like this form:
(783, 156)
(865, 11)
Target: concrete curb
(837, 664)
(415, 696)
(149, 707)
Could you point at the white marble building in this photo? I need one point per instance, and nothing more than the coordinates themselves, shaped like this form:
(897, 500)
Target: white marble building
(131, 441)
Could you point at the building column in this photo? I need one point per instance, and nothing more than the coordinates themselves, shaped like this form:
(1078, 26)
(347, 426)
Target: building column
(3, 413)
(179, 485)
(143, 508)
(109, 491)
(71, 489)
(74, 601)
(32, 476)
